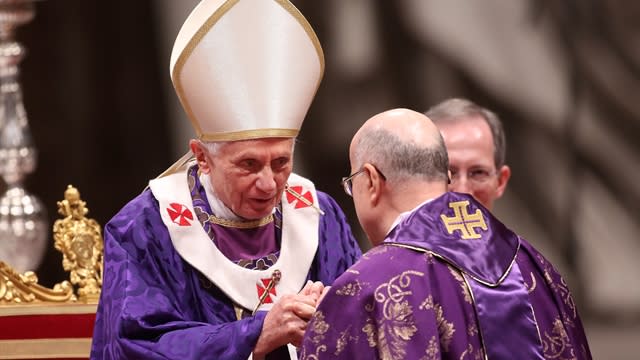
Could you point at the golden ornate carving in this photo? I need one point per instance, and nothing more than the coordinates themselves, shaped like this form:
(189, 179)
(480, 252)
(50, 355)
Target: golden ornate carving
(80, 241)
(16, 288)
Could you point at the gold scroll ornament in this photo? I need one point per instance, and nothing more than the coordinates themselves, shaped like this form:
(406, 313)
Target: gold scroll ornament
(80, 241)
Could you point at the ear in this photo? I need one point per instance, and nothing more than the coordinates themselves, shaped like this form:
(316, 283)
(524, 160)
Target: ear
(375, 184)
(503, 178)
(200, 153)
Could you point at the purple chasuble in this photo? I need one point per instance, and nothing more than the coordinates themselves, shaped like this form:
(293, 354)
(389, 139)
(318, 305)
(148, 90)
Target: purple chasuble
(155, 305)
(449, 282)
(485, 252)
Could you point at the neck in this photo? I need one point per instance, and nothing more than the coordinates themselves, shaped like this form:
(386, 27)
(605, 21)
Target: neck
(411, 193)
(404, 199)
(218, 208)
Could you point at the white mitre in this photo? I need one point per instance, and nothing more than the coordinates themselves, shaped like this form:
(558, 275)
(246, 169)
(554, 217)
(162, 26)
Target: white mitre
(246, 69)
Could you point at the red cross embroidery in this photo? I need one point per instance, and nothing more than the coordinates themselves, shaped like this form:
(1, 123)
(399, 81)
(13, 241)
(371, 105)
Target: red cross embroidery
(180, 214)
(300, 203)
(262, 288)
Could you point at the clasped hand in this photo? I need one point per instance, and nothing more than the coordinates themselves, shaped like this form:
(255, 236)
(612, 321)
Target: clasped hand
(287, 320)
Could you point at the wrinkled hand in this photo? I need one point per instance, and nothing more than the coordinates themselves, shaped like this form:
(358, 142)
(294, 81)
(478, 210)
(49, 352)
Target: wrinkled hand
(287, 320)
(285, 323)
(316, 289)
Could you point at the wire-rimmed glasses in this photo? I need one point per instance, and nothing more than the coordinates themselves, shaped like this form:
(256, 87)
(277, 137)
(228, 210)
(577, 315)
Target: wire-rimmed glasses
(347, 182)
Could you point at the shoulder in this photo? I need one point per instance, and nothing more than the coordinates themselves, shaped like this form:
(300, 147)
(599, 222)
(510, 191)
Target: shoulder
(327, 203)
(138, 221)
(529, 254)
(379, 261)
(141, 206)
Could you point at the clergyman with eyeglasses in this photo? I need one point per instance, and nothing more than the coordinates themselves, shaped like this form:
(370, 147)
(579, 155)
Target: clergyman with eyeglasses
(445, 279)
(476, 145)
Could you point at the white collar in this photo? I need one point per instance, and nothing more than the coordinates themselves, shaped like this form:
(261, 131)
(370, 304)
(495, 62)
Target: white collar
(218, 208)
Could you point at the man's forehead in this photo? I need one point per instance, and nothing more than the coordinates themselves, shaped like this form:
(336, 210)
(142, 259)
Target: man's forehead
(470, 127)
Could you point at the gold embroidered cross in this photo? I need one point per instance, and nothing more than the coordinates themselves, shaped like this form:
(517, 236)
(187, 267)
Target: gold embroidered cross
(463, 221)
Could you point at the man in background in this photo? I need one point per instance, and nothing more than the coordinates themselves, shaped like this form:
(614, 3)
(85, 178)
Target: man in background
(476, 144)
(445, 279)
(226, 254)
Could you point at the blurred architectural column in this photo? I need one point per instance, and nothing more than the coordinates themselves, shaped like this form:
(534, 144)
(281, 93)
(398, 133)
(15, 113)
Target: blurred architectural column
(171, 16)
(573, 167)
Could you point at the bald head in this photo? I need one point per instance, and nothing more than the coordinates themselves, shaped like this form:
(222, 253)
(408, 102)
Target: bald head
(403, 161)
(407, 125)
(403, 143)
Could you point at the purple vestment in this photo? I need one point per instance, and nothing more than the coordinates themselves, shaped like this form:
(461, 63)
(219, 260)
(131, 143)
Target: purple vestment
(449, 282)
(155, 305)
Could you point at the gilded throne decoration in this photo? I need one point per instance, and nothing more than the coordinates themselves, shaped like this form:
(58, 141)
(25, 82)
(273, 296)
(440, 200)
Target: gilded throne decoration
(37, 322)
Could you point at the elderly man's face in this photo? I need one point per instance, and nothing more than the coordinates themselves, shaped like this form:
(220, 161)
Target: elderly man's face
(471, 160)
(249, 176)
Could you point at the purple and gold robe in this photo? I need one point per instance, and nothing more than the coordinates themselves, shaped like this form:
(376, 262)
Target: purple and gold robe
(448, 282)
(157, 305)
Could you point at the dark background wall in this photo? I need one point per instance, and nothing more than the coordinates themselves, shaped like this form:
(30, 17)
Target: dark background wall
(93, 94)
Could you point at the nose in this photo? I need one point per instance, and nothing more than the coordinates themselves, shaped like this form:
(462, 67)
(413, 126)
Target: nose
(266, 181)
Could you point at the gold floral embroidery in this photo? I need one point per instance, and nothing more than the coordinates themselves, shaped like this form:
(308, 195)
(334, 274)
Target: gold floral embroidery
(472, 354)
(472, 330)
(372, 335)
(463, 285)
(343, 340)
(319, 327)
(351, 289)
(557, 344)
(433, 350)
(314, 356)
(445, 328)
(396, 326)
(427, 304)
(561, 288)
(317, 330)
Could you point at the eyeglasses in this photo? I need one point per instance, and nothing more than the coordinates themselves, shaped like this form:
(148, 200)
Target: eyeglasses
(475, 176)
(347, 182)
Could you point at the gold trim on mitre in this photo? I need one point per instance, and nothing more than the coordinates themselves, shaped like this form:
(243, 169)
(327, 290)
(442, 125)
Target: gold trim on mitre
(193, 99)
(250, 134)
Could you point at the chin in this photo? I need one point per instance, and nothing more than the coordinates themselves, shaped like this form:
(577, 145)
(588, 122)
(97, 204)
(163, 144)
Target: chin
(257, 215)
